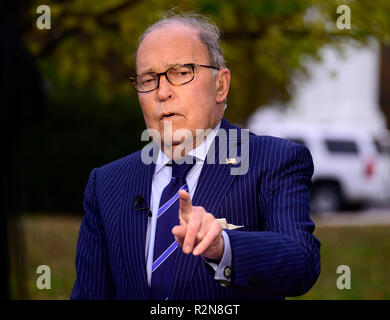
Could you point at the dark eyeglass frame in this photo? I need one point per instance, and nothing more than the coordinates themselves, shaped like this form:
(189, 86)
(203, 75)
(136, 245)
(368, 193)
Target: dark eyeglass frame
(133, 79)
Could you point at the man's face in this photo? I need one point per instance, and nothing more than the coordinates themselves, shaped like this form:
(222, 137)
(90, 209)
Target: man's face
(194, 105)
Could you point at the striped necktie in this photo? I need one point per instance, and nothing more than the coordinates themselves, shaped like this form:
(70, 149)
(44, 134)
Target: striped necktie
(168, 216)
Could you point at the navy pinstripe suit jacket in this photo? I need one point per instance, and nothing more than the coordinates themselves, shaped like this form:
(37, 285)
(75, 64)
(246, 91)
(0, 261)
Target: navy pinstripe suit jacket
(274, 255)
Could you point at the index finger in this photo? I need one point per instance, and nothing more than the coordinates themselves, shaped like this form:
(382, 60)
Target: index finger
(185, 205)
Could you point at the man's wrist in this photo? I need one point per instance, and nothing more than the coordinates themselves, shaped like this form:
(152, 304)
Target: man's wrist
(222, 268)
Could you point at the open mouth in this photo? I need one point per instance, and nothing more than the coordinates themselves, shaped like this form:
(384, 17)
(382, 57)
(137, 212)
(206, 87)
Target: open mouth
(167, 116)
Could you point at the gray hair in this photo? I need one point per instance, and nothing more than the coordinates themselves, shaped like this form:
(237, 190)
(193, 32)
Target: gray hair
(208, 33)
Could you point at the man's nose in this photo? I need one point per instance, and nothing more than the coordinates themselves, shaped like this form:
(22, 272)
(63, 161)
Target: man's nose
(164, 90)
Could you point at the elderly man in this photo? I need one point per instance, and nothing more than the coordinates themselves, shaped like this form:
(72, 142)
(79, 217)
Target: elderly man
(184, 226)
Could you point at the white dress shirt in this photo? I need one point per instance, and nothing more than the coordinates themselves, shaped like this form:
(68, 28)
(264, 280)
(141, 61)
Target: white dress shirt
(161, 178)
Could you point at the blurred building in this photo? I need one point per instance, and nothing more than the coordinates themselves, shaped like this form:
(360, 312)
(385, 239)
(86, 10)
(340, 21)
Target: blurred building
(335, 112)
(342, 90)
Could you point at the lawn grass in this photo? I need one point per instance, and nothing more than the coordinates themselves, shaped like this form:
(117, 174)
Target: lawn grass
(366, 250)
(51, 240)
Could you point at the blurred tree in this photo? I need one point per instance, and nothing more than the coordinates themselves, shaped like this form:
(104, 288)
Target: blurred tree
(22, 106)
(265, 41)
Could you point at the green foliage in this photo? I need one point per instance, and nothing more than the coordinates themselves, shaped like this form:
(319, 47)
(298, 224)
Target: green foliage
(265, 41)
(86, 59)
(79, 133)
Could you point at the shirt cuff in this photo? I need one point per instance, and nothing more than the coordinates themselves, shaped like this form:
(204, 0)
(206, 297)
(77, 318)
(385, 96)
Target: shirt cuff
(223, 269)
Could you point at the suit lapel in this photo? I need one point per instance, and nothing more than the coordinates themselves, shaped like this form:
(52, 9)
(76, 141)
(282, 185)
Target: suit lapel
(214, 181)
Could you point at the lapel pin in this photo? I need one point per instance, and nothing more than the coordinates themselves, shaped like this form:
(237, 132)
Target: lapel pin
(231, 161)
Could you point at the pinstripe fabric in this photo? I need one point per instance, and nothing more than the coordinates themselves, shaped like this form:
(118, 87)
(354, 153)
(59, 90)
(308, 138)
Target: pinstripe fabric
(274, 255)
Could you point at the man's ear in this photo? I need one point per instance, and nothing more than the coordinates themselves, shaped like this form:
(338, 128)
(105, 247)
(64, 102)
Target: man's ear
(222, 84)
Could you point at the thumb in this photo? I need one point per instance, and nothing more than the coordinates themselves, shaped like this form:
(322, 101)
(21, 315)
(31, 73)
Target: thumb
(185, 206)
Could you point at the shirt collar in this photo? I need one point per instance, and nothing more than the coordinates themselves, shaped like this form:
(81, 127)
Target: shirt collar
(200, 152)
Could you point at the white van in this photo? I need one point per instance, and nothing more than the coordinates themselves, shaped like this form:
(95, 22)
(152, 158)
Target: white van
(351, 165)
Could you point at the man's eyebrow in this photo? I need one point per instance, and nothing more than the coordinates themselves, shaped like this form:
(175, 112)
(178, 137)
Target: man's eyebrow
(167, 66)
(146, 71)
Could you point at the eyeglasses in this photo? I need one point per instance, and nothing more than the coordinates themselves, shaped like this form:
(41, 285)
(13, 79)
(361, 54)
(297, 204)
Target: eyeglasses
(177, 75)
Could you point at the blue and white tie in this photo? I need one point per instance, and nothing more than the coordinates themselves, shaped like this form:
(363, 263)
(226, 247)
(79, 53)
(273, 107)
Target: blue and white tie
(165, 245)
